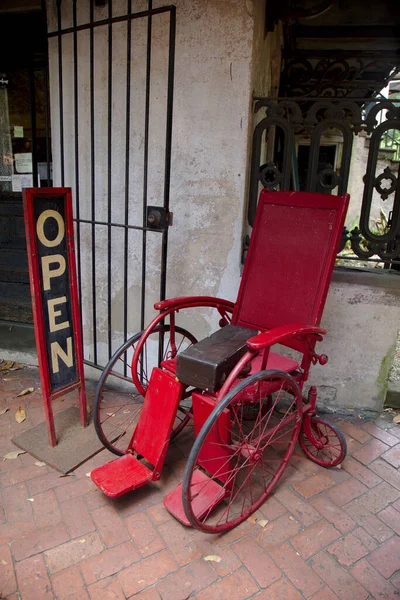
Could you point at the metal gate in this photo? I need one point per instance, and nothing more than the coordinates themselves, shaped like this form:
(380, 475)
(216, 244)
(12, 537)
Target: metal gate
(112, 84)
(285, 126)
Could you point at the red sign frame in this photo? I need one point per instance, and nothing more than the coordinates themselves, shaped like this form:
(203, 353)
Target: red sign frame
(55, 383)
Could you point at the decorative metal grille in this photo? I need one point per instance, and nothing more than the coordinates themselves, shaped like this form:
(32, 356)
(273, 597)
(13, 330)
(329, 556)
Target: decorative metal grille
(283, 123)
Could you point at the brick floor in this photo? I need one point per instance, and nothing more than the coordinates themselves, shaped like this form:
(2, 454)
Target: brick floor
(329, 533)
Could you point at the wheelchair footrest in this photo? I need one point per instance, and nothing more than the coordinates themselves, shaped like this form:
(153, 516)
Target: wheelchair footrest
(120, 476)
(209, 494)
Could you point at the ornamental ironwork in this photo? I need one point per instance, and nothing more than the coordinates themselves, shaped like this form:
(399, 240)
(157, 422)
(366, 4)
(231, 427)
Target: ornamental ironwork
(283, 125)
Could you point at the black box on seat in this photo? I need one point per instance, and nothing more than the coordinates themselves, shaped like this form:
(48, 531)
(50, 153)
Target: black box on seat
(207, 364)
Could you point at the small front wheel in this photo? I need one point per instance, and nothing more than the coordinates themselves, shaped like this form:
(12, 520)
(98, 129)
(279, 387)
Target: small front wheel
(331, 446)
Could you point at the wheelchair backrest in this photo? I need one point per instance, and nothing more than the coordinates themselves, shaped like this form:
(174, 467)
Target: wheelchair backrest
(290, 260)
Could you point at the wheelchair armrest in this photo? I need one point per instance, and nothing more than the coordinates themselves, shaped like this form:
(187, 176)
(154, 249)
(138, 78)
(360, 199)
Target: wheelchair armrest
(187, 301)
(278, 335)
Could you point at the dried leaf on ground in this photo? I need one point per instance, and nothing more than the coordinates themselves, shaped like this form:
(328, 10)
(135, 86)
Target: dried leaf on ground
(25, 392)
(252, 519)
(263, 522)
(20, 415)
(39, 463)
(16, 367)
(13, 455)
(89, 410)
(396, 419)
(5, 366)
(4, 410)
(213, 558)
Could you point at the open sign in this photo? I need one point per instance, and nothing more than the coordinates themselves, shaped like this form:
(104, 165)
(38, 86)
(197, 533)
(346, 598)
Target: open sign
(51, 258)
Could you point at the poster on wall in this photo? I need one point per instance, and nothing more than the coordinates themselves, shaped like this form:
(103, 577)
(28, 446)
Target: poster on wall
(52, 274)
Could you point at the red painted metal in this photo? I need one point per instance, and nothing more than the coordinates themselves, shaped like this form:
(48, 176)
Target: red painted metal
(210, 496)
(322, 442)
(278, 335)
(121, 476)
(296, 277)
(29, 196)
(257, 454)
(153, 431)
(237, 425)
(178, 303)
(219, 437)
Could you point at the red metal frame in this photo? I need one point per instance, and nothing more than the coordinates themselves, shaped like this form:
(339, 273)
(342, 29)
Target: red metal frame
(29, 196)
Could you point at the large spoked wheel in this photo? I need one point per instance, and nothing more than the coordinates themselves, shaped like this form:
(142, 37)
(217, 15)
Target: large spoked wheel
(118, 404)
(236, 462)
(330, 449)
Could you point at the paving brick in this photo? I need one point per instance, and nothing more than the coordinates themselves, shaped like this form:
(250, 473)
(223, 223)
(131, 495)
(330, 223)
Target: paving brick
(362, 473)
(107, 589)
(95, 499)
(257, 562)
(73, 489)
(325, 594)
(109, 562)
(76, 517)
(379, 497)
(16, 504)
(387, 472)
(381, 434)
(16, 530)
(365, 538)
(46, 510)
(337, 578)
(44, 483)
(272, 509)
(158, 514)
(276, 533)
(370, 451)
(297, 570)
(396, 580)
(211, 545)
(314, 538)
(237, 586)
(374, 526)
(67, 583)
(386, 559)
(150, 594)
(348, 550)
(22, 474)
(281, 590)
(302, 510)
(304, 464)
(110, 526)
(8, 583)
(180, 543)
(392, 456)
(314, 485)
(391, 517)
(73, 552)
(347, 491)
(374, 582)
(39, 541)
(187, 581)
(143, 534)
(333, 514)
(356, 432)
(136, 578)
(33, 581)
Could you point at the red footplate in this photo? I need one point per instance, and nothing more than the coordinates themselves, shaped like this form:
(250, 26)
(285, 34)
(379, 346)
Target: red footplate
(209, 495)
(121, 476)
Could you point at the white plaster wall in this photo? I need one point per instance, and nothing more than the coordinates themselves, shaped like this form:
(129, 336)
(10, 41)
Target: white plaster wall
(362, 317)
(215, 59)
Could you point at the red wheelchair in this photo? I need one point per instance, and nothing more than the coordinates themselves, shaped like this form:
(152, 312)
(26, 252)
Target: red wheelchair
(245, 400)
